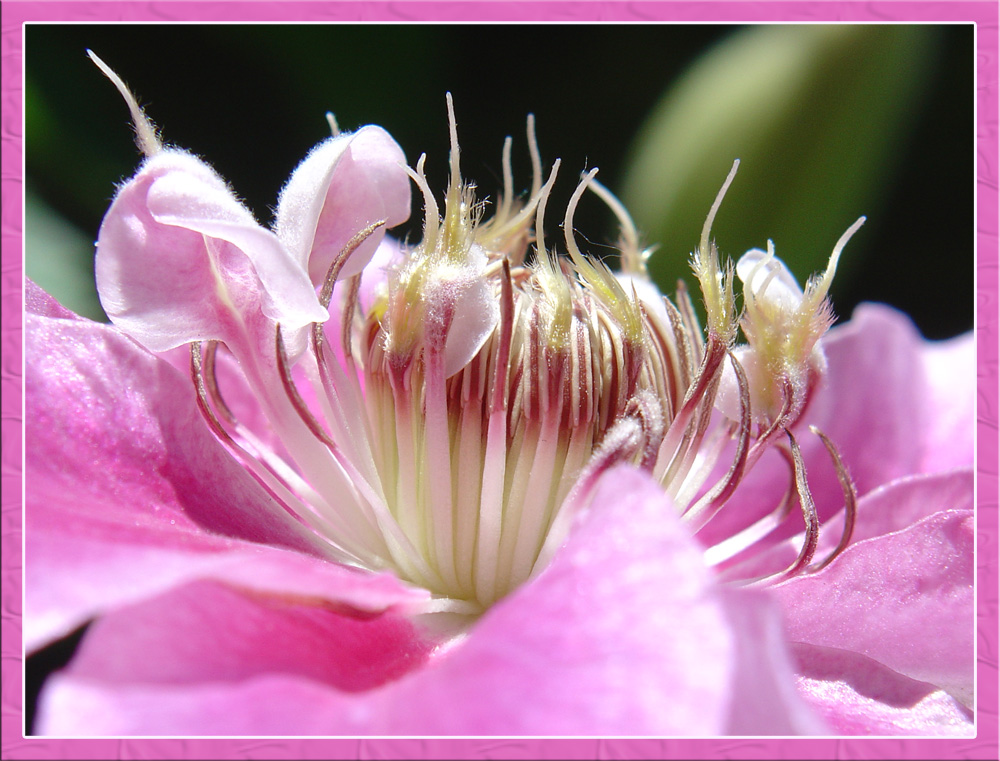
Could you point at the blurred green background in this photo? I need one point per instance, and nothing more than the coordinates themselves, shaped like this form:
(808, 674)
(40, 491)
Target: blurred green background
(830, 122)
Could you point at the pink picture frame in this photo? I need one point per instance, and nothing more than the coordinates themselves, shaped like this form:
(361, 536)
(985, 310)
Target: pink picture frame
(983, 14)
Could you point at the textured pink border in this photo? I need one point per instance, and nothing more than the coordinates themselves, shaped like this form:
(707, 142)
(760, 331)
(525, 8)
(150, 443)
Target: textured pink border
(14, 14)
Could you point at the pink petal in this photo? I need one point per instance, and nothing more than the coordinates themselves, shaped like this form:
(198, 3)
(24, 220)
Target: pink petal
(624, 633)
(882, 407)
(345, 184)
(764, 698)
(859, 696)
(179, 259)
(904, 599)
(126, 490)
(161, 663)
(37, 301)
(623, 622)
(211, 632)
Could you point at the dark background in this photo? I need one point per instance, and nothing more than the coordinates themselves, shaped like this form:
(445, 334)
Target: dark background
(251, 100)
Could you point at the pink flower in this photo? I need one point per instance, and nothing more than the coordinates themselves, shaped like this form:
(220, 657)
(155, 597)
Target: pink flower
(483, 497)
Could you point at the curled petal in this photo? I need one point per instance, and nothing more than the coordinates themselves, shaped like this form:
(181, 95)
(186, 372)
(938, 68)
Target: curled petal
(471, 298)
(859, 696)
(179, 259)
(345, 184)
(769, 279)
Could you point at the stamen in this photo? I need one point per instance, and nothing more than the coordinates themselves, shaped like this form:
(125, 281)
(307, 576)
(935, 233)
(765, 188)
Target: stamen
(746, 538)
(202, 390)
(347, 318)
(645, 407)
(536, 157)
(709, 505)
(207, 373)
(710, 219)
(675, 447)
(716, 286)
(431, 219)
(275, 483)
(633, 259)
(543, 197)
(145, 133)
(400, 548)
(568, 232)
(850, 499)
(621, 444)
(818, 292)
(507, 197)
(691, 327)
(454, 440)
(453, 156)
(332, 121)
(808, 512)
(333, 273)
(734, 545)
(437, 440)
(495, 456)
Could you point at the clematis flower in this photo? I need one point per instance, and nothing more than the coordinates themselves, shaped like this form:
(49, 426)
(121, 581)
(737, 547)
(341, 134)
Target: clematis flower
(470, 486)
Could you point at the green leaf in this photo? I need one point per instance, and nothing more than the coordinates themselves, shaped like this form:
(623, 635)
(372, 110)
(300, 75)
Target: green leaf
(815, 113)
(60, 259)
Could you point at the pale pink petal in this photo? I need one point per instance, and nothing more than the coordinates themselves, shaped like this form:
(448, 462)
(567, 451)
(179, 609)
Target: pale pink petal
(904, 599)
(375, 276)
(624, 633)
(126, 490)
(345, 184)
(594, 644)
(107, 422)
(949, 403)
(179, 259)
(162, 663)
(859, 696)
(768, 278)
(468, 295)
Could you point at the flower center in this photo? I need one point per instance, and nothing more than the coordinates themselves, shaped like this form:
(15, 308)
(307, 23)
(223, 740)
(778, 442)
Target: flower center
(448, 423)
(459, 416)
(489, 384)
